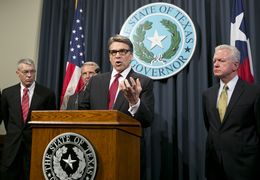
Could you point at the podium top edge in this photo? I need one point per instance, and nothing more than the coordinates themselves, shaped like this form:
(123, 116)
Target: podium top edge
(83, 116)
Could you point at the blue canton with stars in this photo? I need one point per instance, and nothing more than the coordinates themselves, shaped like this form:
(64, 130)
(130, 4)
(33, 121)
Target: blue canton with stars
(77, 44)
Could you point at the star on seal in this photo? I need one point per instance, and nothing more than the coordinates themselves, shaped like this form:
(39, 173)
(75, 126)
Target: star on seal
(69, 161)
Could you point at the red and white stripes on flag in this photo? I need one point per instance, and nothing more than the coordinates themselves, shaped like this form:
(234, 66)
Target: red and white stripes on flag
(72, 80)
(239, 38)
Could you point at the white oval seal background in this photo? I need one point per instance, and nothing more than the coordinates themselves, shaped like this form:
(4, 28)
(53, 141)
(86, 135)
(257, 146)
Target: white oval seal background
(159, 38)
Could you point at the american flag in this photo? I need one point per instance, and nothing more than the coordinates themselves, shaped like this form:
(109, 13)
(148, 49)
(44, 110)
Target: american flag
(72, 80)
(239, 38)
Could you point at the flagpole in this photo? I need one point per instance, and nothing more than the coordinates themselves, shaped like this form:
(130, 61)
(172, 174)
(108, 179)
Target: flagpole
(72, 82)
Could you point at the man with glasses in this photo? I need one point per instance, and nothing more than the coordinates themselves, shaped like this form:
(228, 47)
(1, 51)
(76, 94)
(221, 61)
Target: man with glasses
(122, 88)
(88, 70)
(17, 103)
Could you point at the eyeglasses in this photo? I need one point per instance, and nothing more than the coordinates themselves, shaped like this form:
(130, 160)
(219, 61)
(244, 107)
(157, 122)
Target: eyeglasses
(121, 52)
(27, 72)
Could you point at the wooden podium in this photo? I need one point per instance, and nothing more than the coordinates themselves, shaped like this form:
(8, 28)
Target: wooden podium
(114, 136)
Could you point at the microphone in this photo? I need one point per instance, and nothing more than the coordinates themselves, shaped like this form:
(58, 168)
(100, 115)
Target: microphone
(76, 103)
(82, 88)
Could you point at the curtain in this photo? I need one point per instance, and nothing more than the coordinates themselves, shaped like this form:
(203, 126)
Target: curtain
(175, 143)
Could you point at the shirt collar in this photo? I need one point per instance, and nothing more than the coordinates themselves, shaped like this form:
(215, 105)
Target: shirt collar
(231, 84)
(123, 73)
(30, 89)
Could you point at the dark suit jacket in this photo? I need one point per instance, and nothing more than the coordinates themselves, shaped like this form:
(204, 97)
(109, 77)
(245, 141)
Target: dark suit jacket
(0, 108)
(17, 131)
(74, 100)
(235, 141)
(96, 97)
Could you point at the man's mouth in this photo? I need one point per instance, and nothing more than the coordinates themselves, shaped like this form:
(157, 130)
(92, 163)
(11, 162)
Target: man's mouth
(118, 63)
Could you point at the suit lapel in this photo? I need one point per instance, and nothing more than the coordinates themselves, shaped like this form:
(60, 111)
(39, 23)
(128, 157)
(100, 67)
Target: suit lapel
(17, 96)
(105, 91)
(120, 100)
(34, 98)
(216, 113)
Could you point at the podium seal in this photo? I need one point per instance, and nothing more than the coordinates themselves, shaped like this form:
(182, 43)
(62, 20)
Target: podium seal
(69, 156)
(164, 39)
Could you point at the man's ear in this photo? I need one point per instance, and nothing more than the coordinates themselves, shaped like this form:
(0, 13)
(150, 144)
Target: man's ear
(236, 66)
(97, 70)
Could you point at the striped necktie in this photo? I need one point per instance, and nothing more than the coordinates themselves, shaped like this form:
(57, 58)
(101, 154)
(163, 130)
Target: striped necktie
(25, 104)
(112, 91)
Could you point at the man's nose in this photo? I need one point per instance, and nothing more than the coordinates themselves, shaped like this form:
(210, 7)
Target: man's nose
(216, 64)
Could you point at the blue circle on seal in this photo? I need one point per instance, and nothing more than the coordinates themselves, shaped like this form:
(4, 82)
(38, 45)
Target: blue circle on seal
(164, 39)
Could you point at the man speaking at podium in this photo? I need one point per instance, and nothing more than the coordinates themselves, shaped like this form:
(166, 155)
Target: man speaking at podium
(121, 89)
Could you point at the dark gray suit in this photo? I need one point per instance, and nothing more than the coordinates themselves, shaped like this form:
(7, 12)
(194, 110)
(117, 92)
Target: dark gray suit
(0, 108)
(96, 97)
(233, 146)
(19, 135)
(73, 101)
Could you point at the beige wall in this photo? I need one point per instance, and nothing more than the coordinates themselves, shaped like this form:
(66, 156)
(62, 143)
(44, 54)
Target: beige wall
(19, 36)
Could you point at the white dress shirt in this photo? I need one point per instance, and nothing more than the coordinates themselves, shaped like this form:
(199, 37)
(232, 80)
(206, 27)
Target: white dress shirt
(30, 92)
(231, 86)
(132, 109)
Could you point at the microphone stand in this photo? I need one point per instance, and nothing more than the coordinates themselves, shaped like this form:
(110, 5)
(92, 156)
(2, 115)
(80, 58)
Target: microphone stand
(77, 96)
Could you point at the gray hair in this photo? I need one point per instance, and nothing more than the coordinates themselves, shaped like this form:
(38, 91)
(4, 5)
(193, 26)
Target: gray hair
(92, 63)
(122, 39)
(27, 61)
(235, 54)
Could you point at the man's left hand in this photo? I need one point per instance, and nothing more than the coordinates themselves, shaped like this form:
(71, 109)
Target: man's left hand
(131, 91)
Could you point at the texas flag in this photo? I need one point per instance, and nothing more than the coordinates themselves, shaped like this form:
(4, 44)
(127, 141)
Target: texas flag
(239, 38)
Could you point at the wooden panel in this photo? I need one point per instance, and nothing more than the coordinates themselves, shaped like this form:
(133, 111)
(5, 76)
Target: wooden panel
(117, 145)
(93, 117)
(75, 118)
(105, 149)
(129, 147)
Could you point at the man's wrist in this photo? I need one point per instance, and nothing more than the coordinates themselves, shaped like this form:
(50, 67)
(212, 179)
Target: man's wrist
(133, 108)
